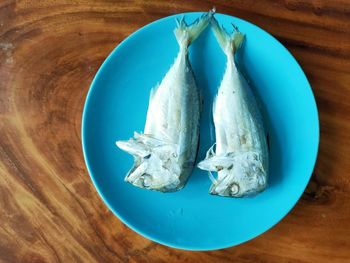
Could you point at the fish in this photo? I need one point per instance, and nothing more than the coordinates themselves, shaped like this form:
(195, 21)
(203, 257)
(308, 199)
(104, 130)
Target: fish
(240, 158)
(165, 153)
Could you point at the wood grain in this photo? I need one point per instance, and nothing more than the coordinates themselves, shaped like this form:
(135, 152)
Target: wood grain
(49, 53)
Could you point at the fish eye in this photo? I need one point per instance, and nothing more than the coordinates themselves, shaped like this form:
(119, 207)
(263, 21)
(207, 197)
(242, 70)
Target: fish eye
(234, 188)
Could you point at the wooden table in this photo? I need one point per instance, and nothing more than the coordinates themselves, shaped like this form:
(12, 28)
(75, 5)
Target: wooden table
(49, 209)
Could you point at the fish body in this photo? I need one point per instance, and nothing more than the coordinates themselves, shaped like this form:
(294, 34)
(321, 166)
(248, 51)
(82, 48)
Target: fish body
(241, 155)
(165, 153)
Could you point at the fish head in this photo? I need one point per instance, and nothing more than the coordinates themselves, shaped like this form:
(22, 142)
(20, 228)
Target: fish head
(239, 174)
(156, 165)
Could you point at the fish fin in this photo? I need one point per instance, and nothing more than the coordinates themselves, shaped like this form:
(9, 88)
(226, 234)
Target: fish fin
(186, 34)
(212, 178)
(152, 93)
(215, 163)
(151, 141)
(134, 147)
(150, 110)
(210, 153)
(228, 42)
(214, 105)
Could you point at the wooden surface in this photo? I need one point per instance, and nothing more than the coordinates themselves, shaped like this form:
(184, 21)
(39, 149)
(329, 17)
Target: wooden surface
(49, 209)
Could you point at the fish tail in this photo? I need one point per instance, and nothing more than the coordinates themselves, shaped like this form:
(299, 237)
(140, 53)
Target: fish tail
(229, 43)
(186, 34)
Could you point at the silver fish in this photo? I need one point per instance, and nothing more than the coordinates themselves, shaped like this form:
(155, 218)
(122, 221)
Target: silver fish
(241, 155)
(164, 155)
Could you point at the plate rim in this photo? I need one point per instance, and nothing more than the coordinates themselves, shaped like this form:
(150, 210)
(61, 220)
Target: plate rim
(105, 200)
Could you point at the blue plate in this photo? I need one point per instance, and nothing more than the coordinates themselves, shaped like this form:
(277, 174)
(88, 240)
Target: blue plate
(191, 218)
